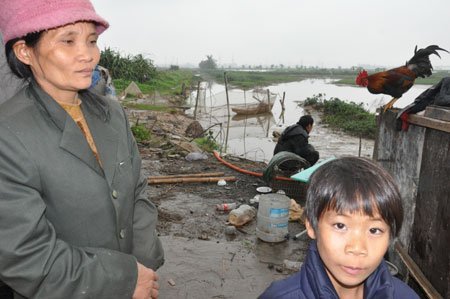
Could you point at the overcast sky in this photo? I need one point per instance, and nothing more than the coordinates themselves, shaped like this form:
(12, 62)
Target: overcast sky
(324, 33)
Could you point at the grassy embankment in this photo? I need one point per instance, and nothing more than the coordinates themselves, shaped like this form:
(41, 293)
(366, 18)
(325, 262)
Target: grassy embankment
(351, 118)
(165, 83)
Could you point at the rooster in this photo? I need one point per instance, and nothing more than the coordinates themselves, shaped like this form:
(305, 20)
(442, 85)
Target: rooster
(395, 82)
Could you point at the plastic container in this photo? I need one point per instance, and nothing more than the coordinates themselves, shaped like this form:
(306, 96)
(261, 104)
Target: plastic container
(226, 206)
(241, 215)
(273, 217)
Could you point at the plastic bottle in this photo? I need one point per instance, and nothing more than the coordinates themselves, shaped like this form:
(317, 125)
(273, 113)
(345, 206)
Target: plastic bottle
(226, 206)
(242, 215)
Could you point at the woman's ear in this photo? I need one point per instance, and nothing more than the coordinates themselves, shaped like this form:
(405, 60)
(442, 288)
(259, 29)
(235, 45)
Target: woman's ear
(22, 52)
(310, 229)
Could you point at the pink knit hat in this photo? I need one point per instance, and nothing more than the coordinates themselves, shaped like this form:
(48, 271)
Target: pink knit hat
(20, 17)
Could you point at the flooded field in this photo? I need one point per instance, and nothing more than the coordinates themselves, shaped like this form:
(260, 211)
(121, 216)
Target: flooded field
(251, 136)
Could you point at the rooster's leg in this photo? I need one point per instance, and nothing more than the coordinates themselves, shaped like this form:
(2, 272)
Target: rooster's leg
(390, 104)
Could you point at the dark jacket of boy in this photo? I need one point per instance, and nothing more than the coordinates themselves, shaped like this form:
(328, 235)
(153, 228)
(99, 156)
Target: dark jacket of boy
(312, 282)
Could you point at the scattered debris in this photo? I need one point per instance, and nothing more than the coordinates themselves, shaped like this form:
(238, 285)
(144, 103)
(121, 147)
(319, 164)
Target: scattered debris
(295, 211)
(194, 130)
(203, 236)
(132, 90)
(171, 282)
(221, 183)
(196, 156)
(291, 265)
(230, 230)
(242, 215)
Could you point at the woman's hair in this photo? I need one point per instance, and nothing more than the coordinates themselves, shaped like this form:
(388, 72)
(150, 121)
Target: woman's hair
(19, 68)
(305, 121)
(352, 185)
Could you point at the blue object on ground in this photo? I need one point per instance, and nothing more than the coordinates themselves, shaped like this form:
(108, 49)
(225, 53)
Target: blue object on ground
(303, 176)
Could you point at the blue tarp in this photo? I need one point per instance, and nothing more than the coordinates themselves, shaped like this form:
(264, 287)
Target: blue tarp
(303, 176)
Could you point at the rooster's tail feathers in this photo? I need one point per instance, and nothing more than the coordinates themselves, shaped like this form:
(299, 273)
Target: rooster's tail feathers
(420, 62)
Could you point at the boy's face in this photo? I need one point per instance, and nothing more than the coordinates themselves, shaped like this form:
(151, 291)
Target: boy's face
(351, 246)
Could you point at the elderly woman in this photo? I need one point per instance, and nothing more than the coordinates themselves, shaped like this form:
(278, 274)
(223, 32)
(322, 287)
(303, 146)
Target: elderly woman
(74, 218)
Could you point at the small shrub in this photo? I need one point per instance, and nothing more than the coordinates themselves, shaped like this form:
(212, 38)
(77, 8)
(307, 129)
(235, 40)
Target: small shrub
(141, 133)
(207, 143)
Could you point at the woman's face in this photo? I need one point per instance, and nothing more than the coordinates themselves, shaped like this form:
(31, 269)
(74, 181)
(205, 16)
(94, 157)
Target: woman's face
(64, 58)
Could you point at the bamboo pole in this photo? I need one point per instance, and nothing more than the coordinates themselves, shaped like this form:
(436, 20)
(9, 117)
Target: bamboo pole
(196, 100)
(188, 175)
(192, 180)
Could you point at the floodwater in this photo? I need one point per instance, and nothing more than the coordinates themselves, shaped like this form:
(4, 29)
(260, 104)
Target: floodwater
(251, 137)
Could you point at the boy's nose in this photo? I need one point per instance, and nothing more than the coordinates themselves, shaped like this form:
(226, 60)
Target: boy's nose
(356, 245)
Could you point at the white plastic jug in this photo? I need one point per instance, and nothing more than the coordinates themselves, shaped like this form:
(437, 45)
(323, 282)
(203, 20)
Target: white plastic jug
(273, 217)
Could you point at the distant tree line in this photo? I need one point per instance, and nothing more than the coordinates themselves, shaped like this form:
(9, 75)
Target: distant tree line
(208, 64)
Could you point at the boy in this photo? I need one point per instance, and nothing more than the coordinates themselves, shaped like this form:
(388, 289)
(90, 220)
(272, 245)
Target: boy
(353, 211)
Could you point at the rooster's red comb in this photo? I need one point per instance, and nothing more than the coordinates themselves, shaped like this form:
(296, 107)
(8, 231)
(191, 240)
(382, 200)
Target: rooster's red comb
(362, 75)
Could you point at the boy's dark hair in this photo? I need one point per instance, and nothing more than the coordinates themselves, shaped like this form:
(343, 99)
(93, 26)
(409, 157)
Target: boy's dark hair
(352, 184)
(20, 69)
(305, 121)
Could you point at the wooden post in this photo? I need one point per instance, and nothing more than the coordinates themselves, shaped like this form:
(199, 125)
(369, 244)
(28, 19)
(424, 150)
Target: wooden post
(282, 101)
(196, 100)
(360, 141)
(228, 107)
(268, 118)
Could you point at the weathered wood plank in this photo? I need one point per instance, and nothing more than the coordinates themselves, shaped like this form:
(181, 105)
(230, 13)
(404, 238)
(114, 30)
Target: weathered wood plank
(429, 122)
(437, 112)
(416, 272)
(430, 238)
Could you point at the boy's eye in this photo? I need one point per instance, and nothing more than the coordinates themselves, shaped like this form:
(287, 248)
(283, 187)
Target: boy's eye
(93, 41)
(339, 226)
(67, 41)
(376, 231)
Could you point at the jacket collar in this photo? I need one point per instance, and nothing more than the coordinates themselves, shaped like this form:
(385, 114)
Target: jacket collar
(97, 115)
(378, 285)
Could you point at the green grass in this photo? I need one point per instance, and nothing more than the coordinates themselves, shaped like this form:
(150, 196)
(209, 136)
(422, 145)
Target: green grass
(166, 82)
(207, 143)
(350, 117)
(141, 133)
(147, 107)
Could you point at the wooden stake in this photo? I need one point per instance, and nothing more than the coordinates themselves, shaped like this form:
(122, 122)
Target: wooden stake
(229, 113)
(196, 100)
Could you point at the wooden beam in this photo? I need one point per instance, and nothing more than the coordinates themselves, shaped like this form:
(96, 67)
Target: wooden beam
(429, 122)
(427, 287)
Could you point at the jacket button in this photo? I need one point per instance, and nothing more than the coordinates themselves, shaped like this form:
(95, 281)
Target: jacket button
(114, 194)
(122, 233)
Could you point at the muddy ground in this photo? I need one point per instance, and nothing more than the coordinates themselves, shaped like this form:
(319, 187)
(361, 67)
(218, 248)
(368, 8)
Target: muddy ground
(202, 261)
